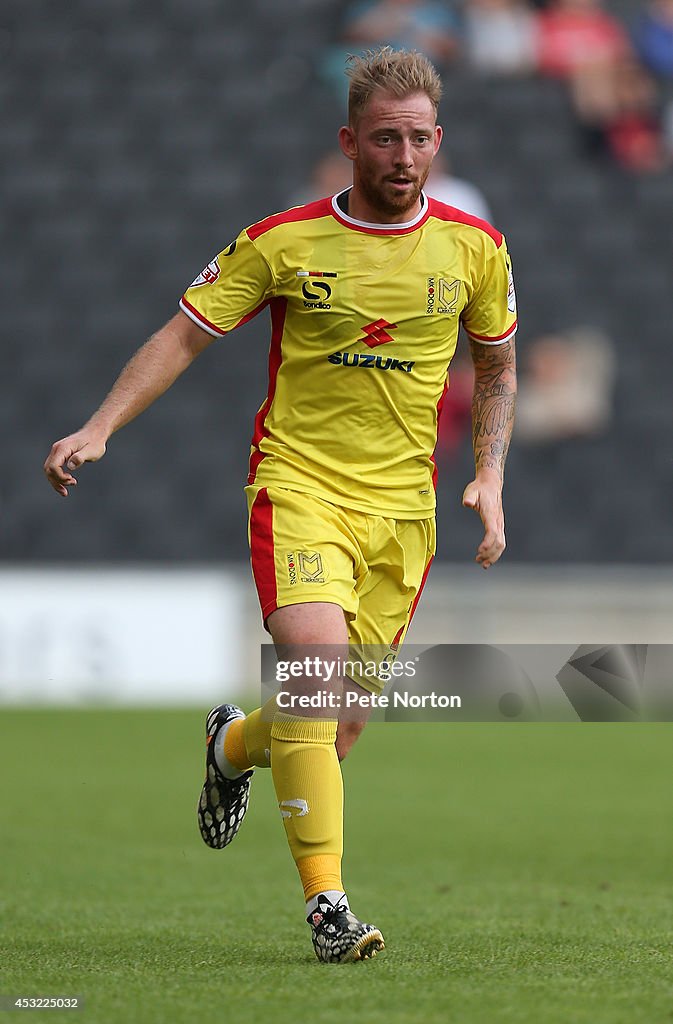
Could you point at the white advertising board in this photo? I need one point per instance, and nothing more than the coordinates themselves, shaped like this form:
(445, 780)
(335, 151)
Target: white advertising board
(123, 635)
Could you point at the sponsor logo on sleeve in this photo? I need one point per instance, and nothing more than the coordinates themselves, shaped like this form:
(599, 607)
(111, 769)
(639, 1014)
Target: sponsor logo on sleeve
(511, 293)
(211, 271)
(208, 275)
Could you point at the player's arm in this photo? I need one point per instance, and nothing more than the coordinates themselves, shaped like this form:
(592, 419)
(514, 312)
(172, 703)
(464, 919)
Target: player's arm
(147, 375)
(493, 402)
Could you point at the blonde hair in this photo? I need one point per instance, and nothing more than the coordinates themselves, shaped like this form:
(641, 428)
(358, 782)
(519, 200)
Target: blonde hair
(400, 72)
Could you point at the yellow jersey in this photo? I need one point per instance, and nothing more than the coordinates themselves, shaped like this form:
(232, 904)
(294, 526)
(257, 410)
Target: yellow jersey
(364, 323)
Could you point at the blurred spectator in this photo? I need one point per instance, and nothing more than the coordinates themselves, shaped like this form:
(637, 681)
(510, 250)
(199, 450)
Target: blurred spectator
(654, 37)
(581, 43)
(455, 421)
(614, 98)
(573, 35)
(457, 192)
(431, 27)
(634, 135)
(566, 389)
(500, 36)
(331, 173)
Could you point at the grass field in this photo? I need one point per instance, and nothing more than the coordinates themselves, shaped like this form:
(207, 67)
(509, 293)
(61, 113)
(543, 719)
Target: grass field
(519, 873)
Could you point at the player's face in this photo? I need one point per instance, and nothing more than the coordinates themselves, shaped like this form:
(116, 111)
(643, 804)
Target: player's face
(392, 147)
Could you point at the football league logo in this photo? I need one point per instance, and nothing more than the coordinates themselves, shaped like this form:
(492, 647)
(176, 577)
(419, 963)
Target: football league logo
(511, 293)
(208, 275)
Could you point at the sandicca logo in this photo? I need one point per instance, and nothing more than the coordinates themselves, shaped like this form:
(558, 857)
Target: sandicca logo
(368, 360)
(315, 297)
(316, 292)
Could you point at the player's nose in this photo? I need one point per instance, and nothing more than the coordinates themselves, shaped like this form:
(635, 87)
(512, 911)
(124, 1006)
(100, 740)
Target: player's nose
(404, 157)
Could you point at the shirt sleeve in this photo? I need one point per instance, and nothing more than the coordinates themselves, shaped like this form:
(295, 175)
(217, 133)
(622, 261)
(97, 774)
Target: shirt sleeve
(230, 290)
(490, 316)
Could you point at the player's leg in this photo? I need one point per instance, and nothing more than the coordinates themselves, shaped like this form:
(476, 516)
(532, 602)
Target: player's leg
(304, 765)
(307, 778)
(299, 555)
(305, 560)
(388, 593)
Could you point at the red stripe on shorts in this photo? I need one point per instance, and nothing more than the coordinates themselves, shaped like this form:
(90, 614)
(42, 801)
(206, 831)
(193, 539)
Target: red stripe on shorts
(262, 552)
(398, 636)
(420, 589)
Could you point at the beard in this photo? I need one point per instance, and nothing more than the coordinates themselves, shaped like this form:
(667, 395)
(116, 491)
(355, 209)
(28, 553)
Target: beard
(385, 201)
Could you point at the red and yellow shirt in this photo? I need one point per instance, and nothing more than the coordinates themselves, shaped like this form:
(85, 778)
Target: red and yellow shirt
(364, 323)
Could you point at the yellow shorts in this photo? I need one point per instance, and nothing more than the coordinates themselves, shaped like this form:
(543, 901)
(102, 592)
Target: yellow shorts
(306, 549)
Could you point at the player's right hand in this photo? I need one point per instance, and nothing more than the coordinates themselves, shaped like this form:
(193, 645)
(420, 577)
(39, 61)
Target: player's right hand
(67, 455)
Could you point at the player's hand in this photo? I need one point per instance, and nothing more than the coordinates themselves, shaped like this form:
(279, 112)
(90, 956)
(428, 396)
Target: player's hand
(67, 455)
(484, 495)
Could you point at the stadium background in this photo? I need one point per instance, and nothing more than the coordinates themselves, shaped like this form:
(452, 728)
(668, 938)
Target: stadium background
(136, 146)
(532, 880)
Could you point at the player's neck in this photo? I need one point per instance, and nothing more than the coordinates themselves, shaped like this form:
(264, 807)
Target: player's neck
(359, 208)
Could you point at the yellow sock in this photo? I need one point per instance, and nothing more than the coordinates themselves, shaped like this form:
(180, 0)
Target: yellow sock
(307, 779)
(234, 746)
(248, 740)
(321, 873)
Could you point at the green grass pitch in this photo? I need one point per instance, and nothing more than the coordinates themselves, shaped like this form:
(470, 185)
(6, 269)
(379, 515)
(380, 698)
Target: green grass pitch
(518, 872)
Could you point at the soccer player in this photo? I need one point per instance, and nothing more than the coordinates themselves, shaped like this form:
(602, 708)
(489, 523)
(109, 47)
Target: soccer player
(367, 290)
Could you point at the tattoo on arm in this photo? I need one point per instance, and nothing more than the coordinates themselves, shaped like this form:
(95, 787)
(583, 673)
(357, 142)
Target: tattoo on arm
(492, 403)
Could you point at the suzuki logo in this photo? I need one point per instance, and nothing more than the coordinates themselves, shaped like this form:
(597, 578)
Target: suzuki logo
(377, 333)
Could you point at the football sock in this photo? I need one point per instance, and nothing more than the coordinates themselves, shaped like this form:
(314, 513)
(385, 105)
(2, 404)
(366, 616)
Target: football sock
(320, 874)
(228, 765)
(309, 788)
(246, 742)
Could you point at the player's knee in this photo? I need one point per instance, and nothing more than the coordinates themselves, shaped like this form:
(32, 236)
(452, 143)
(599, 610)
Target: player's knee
(311, 623)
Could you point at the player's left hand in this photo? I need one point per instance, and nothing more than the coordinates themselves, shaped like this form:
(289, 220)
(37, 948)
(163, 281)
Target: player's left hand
(484, 495)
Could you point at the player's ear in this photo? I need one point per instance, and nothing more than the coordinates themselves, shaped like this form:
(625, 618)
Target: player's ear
(347, 142)
(439, 135)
